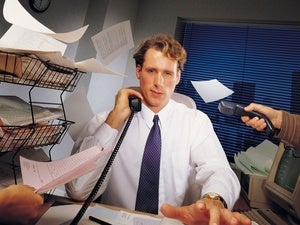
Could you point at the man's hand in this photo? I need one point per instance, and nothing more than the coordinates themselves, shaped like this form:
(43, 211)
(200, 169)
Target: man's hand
(205, 212)
(121, 110)
(19, 204)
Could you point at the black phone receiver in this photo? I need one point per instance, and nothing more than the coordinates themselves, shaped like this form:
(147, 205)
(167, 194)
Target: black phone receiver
(231, 108)
(135, 104)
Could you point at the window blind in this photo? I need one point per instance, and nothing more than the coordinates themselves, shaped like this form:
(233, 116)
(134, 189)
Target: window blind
(259, 61)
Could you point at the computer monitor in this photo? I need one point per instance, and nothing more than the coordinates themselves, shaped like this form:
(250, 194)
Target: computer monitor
(283, 182)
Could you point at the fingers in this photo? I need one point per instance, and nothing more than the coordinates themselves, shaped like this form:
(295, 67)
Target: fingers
(169, 211)
(194, 214)
(256, 123)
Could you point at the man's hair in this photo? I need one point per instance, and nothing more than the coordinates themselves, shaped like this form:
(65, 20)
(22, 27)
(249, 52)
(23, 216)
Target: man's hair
(164, 43)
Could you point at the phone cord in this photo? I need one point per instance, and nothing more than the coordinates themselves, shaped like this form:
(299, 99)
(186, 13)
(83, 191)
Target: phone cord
(103, 175)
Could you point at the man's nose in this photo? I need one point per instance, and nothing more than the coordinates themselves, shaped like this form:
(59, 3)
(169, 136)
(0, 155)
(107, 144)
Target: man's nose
(159, 79)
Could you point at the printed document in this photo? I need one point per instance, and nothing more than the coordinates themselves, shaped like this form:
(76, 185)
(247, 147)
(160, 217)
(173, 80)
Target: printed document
(44, 176)
(113, 41)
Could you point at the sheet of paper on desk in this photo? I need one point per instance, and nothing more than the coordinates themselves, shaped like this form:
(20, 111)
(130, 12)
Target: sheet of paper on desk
(44, 176)
(121, 217)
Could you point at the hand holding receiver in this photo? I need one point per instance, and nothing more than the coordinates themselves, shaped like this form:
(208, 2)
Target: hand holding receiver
(231, 108)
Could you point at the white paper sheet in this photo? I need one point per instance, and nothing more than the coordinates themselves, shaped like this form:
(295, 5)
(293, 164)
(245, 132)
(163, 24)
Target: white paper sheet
(211, 90)
(17, 37)
(113, 41)
(93, 65)
(15, 14)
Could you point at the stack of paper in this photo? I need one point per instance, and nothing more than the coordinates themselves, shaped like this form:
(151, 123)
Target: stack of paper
(257, 160)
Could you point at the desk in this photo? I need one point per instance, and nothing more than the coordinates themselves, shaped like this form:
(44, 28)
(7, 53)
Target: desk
(74, 207)
(59, 210)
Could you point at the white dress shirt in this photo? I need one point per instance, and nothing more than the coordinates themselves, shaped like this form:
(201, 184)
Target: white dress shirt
(193, 162)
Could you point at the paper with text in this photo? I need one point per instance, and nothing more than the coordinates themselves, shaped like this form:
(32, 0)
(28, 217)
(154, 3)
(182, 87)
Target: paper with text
(121, 217)
(113, 41)
(16, 14)
(211, 90)
(44, 176)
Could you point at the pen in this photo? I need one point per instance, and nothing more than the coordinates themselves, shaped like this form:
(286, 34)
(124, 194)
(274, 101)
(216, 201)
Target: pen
(94, 219)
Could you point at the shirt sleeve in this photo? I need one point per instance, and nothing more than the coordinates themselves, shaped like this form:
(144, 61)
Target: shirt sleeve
(98, 133)
(215, 174)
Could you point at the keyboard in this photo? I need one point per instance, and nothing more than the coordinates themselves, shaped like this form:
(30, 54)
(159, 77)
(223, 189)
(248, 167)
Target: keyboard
(264, 217)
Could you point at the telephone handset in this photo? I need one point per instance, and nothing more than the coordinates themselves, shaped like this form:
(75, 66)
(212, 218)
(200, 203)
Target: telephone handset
(135, 105)
(231, 108)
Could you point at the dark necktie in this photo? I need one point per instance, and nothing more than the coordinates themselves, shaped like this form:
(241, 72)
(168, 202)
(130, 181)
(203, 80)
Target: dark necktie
(147, 194)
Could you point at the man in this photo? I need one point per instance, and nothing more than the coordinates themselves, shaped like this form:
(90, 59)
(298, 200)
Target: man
(19, 204)
(192, 164)
(287, 124)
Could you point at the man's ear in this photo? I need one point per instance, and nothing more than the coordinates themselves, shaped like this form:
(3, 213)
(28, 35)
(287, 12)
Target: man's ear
(178, 76)
(138, 70)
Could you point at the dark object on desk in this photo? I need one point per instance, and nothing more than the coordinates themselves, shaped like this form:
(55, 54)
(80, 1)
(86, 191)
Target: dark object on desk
(231, 108)
(94, 219)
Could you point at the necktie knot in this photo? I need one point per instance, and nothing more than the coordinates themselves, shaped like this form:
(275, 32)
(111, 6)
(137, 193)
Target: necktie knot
(155, 119)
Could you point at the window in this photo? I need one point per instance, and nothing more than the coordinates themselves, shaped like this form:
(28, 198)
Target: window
(259, 61)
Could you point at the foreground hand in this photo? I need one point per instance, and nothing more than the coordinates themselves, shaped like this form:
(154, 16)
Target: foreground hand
(205, 212)
(259, 124)
(19, 204)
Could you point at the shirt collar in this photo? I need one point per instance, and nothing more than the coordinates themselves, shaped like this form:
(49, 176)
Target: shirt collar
(148, 115)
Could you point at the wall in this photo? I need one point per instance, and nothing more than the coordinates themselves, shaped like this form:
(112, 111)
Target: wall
(156, 16)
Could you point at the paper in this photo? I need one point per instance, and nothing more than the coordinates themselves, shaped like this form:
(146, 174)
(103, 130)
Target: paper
(122, 217)
(7, 167)
(94, 66)
(63, 215)
(113, 41)
(44, 176)
(16, 112)
(257, 160)
(211, 90)
(15, 14)
(17, 37)
(27, 35)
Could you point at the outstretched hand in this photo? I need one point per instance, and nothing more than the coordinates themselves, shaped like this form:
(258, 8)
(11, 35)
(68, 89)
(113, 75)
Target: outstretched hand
(205, 212)
(259, 124)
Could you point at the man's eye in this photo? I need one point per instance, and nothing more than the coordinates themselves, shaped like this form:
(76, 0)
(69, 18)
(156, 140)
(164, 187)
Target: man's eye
(169, 73)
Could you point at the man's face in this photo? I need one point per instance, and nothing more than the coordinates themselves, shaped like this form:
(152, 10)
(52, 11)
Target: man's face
(158, 78)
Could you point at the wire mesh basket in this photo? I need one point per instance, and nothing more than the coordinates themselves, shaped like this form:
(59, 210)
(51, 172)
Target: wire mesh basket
(23, 137)
(28, 69)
